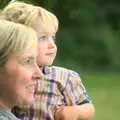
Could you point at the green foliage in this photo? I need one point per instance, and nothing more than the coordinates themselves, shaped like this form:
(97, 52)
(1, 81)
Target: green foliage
(3, 3)
(89, 31)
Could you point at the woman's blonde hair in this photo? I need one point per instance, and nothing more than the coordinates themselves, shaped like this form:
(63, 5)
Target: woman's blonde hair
(28, 14)
(14, 39)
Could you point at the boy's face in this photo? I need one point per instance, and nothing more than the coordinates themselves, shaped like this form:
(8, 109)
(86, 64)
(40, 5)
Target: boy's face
(47, 48)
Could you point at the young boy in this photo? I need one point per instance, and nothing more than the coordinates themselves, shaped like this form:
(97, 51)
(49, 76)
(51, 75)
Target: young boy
(61, 95)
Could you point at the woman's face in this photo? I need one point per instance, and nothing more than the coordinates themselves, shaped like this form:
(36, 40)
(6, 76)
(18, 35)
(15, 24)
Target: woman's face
(46, 44)
(18, 78)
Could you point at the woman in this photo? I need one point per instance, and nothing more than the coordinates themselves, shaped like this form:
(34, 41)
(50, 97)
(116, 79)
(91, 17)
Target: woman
(18, 69)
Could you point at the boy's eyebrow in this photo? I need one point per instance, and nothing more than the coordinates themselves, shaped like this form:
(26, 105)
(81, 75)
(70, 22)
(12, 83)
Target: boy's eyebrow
(45, 34)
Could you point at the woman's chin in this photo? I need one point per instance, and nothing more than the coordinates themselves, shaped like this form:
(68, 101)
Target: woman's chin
(29, 99)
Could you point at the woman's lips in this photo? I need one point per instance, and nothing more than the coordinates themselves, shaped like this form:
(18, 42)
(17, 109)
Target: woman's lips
(31, 88)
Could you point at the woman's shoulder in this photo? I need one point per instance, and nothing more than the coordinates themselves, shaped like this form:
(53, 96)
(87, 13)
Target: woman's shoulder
(7, 115)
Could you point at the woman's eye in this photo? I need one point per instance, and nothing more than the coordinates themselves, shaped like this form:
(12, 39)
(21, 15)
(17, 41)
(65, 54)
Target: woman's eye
(42, 38)
(29, 61)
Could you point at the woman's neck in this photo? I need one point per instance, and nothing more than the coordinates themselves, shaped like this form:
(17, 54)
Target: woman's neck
(6, 106)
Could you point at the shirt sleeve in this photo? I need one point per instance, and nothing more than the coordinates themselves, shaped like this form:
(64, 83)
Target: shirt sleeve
(74, 92)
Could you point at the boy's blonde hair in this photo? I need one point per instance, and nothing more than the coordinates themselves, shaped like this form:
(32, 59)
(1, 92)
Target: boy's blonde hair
(14, 39)
(28, 14)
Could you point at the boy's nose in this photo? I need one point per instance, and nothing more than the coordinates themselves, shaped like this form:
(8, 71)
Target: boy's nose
(51, 43)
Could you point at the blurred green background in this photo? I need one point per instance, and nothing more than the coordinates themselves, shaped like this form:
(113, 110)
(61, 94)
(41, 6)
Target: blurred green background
(88, 42)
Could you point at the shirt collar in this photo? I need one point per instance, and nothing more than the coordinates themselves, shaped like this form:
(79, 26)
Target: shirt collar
(46, 70)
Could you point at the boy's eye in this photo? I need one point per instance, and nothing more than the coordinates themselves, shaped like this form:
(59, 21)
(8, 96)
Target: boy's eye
(54, 38)
(47, 38)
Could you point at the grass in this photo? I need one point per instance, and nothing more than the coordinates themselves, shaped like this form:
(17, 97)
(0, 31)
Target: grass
(104, 88)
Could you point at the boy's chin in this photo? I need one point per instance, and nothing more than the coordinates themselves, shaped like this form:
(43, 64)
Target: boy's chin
(48, 63)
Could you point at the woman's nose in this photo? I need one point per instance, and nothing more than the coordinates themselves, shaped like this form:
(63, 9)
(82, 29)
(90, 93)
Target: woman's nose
(38, 74)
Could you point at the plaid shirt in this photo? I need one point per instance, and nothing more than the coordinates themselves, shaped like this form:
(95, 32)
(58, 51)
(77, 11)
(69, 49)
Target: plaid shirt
(61, 87)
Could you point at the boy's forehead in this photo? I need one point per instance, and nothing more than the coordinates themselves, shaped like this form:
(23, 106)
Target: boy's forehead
(42, 28)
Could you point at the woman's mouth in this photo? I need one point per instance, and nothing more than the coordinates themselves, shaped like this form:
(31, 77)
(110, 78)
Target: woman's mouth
(31, 88)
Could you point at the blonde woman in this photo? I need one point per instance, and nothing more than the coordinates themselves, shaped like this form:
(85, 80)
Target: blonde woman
(62, 95)
(18, 69)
